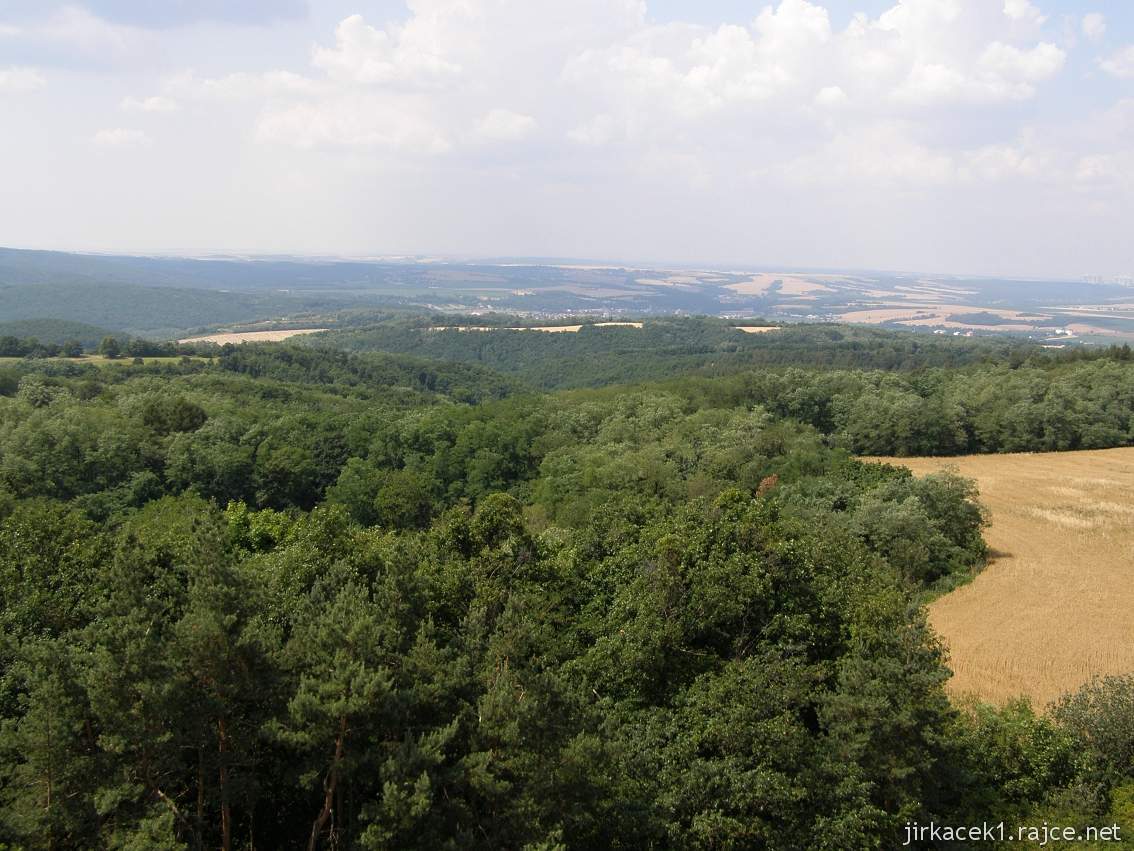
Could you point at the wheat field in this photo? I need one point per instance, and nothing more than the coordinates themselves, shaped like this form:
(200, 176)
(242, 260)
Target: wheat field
(252, 336)
(1055, 605)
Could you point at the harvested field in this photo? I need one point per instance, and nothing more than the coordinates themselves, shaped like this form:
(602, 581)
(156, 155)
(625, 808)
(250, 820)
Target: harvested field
(252, 336)
(1055, 606)
(788, 284)
(801, 286)
(756, 329)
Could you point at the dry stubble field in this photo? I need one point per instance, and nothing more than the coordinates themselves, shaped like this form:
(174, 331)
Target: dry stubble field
(1055, 606)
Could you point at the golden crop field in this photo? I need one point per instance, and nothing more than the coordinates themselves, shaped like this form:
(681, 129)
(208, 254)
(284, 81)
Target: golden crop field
(1055, 606)
(252, 336)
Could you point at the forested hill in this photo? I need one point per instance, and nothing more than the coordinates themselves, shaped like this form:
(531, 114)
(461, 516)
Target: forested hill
(54, 331)
(293, 598)
(597, 355)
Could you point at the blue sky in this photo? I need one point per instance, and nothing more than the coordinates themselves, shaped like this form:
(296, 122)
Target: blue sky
(988, 136)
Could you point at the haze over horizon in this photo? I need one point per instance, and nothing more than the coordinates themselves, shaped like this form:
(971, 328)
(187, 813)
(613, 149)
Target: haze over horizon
(960, 136)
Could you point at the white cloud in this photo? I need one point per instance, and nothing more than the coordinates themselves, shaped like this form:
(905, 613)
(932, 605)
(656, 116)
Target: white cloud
(918, 53)
(418, 86)
(503, 125)
(85, 35)
(1094, 26)
(830, 96)
(1120, 64)
(404, 54)
(1012, 71)
(18, 80)
(888, 155)
(70, 36)
(596, 108)
(794, 25)
(154, 103)
(598, 72)
(1024, 12)
(121, 137)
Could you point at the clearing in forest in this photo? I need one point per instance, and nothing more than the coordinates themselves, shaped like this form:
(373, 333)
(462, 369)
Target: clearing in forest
(1055, 606)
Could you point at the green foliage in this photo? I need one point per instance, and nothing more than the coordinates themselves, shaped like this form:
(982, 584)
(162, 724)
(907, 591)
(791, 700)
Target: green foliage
(1021, 758)
(166, 415)
(52, 331)
(1101, 717)
(435, 613)
(110, 347)
(663, 347)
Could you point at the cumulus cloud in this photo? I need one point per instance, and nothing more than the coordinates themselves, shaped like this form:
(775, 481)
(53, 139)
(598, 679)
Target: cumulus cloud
(1094, 26)
(1001, 73)
(1024, 12)
(121, 137)
(20, 80)
(405, 54)
(1120, 64)
(830, 96)
(597, 72)
(918, 98)
(917, 53)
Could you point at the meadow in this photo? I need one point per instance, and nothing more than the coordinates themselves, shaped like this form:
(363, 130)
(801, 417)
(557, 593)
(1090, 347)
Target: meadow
(1055, 605)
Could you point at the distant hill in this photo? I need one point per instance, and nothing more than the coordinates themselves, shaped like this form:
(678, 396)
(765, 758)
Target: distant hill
(56, 331)
(166, 296)
(155, 312)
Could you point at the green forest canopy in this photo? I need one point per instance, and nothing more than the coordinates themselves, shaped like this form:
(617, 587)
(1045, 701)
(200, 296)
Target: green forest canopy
(294, 597)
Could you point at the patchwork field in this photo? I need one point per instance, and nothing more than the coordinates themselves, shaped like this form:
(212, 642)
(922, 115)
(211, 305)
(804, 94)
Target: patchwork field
(1056, 604)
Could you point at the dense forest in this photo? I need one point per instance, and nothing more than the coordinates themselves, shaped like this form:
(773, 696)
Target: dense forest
(597, 356)
(285, 596)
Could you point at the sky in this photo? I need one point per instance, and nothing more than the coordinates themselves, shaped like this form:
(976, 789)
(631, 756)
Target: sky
(949, 136)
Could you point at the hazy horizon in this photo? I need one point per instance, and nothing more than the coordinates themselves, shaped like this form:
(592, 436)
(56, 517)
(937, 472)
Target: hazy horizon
(963, 137)
(554, 261)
